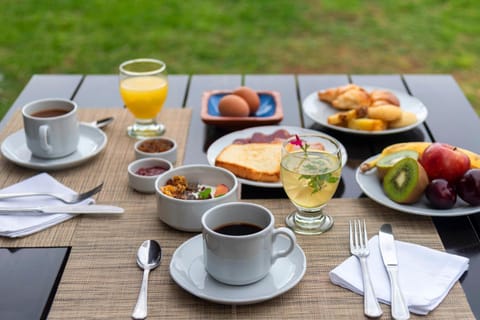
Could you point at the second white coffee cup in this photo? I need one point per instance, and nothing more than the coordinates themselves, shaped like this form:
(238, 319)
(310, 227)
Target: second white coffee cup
(51, 127)
(238, 242)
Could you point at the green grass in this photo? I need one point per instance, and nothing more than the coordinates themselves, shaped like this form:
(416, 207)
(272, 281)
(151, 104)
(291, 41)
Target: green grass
(226, 36)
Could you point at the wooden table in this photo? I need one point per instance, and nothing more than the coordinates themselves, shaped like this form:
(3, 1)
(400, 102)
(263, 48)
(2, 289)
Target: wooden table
(451, 119)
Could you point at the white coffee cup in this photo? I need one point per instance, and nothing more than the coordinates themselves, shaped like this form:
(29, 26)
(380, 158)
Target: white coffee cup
(241, 259)
(51, 127)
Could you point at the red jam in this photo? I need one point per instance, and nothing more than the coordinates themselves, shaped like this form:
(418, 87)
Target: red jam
(151, 171)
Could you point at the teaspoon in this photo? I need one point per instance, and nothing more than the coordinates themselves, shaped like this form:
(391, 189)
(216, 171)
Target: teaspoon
(148, 258)
(101, 122)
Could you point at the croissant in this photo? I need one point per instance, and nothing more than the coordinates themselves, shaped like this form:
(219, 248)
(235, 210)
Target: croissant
(352, 99)
(381, 97)
(332, 93)
(352, 96)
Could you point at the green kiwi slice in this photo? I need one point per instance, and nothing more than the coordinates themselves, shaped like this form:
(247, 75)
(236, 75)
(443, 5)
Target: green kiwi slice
(406, 181)
(387, 162)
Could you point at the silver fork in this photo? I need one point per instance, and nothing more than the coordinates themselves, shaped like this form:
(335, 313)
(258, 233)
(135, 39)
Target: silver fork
(359, 248)
(66, 198)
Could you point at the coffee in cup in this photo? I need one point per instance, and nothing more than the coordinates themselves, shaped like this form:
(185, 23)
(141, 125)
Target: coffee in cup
(51, 127)
(239, 242)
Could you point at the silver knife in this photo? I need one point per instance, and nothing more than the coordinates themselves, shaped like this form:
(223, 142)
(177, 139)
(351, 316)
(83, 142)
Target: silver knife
(389, 256)
(78, 209)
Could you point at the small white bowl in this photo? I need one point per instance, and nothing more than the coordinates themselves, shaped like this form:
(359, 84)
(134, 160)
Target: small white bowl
(186, 215)
(146, 183)
(170, 154)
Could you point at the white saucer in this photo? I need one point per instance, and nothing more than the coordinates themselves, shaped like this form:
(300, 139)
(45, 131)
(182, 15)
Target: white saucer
(92, 141)
(188, 271)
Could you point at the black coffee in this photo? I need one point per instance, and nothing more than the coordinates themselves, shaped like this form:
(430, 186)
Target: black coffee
(238, 229)
(50, 113)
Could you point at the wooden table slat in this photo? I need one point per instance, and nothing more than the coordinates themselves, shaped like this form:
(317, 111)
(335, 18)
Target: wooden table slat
(451, 118)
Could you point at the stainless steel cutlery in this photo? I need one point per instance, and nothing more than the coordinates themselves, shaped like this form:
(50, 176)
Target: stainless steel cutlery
(76, 209)
(389, 256)
(66, 198)
(359, 248)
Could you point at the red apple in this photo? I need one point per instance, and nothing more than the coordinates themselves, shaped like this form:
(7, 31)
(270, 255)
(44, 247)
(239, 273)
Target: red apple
(443, 161)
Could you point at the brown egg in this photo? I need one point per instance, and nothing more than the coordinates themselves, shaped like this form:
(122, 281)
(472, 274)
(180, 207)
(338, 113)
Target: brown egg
(250, 96)
(233, 106)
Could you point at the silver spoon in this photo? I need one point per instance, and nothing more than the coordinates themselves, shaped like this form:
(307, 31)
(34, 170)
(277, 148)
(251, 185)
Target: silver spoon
(148, 258)
(101, 122)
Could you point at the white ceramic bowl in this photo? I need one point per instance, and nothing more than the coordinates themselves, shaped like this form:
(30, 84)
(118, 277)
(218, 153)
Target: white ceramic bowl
(186, 215)
(170, 154)
(144, 183)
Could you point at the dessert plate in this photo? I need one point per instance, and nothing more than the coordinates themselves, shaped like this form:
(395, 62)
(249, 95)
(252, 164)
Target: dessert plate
(217, 147)
(188, 271)
(372, 187)
(319, 111)
(92, 141)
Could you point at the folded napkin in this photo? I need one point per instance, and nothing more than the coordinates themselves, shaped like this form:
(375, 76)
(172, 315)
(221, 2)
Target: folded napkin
(425, 275)
(17, 226)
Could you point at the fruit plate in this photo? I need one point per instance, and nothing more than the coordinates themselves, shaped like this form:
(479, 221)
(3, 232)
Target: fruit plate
(372, 187)
(216, 147)
(319, 111)
(269, 112)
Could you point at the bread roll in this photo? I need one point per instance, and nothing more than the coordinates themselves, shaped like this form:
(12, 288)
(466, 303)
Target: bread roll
(407, 118)
(386, 112)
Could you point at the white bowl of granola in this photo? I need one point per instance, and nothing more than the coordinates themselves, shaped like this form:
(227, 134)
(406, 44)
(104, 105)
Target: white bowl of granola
(185, 193)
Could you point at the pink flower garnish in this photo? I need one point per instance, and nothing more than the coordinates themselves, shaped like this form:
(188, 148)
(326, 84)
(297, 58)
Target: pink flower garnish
(297, 141)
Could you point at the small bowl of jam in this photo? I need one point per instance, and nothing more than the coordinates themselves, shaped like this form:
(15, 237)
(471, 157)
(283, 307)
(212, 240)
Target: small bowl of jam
(142, 173)
(164, 147)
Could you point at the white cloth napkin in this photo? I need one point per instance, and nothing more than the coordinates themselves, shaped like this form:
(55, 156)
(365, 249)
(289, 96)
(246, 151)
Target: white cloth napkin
(425, 275)
(18, 226)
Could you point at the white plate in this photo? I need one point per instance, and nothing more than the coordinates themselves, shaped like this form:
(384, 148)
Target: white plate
(188, 271)
(92, 141)
(372, 187)
(319, 111)
(217, 147)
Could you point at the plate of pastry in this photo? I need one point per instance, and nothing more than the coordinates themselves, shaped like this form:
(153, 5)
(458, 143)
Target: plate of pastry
(365, 110)
(254, 154)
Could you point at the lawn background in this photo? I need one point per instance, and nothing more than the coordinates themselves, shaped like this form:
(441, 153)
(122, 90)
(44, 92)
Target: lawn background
(226, 36)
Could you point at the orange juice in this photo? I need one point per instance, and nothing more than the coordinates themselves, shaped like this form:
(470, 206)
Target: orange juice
(144, 96)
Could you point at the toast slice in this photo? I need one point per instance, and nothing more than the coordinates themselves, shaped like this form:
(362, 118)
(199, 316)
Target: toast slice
(253, 161)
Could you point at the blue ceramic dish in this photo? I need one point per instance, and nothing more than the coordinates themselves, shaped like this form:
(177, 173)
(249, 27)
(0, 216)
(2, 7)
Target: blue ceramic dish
(269, 112)
(266, 109)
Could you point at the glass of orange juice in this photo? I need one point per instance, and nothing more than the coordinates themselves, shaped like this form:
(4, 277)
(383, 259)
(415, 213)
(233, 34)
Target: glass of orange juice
(144, 88)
